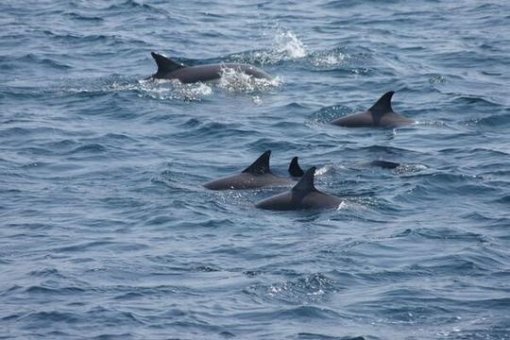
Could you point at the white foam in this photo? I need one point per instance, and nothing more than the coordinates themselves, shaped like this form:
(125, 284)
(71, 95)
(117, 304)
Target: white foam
(323, 170)
(288, 46)
(234, 80)
(285, 46)
(341, 206)
(164, 89)
(330, 59)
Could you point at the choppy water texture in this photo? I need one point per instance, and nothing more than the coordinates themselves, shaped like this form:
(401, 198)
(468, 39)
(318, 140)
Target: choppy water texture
(107, 233)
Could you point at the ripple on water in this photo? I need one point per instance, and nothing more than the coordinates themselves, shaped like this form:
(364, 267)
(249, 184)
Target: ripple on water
(308, 289)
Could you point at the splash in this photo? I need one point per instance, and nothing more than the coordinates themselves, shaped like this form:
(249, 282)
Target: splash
(329, 59)
(288, 46)
(194, 92)
(285, 46)
(234, 80)
(342, 205)
(405, 169)
(172, 90)
(324, 170)
(160, 89)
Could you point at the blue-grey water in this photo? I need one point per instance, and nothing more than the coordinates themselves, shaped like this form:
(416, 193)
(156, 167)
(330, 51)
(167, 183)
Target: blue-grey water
(107, 233)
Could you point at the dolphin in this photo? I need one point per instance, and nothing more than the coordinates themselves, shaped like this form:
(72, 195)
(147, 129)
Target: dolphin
(257, 175)
(170, 69)
(380, 114)
(303, 195)
(385, 164)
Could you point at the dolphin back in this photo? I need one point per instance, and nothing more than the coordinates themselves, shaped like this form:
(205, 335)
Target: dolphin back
(170, 69)
(303, 195)
(380, 114)
(256, 175)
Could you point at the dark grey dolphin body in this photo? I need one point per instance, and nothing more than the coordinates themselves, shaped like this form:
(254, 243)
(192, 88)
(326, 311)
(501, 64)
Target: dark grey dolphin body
(380, 114)
(303, 195)
(385, 164)
(257, 175)
(169, 69)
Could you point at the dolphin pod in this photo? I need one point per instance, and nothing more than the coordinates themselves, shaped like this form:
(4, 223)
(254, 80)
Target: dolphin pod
(257, 175)
(170, 69)
(303, 195)
(381, 114)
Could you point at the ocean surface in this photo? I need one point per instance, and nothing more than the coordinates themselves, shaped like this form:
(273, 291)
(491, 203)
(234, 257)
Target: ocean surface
(106, 231)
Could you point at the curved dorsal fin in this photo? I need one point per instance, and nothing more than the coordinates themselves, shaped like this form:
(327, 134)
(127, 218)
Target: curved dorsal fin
(294, 168)
(260, 166)
(305, 184)
(165, 65)
(383, 105)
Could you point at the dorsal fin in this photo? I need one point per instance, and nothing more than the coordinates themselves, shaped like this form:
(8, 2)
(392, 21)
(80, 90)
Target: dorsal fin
(294, 168)
(383, 105)
(260, 166)
(305, 184)
(165, 65)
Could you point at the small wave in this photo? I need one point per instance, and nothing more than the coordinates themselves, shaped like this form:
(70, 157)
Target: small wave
(42, 60)
(466, 263)
(498, 120)
(442, 234)
(326, 114)
(217, 130)
(83, 17)
(47, 272)
(310, 288)
(503, 200)
(89, 148)
(79, 38)
(493, 333)
(317, 336)
(379, 149)
(132, 5)
(470, 100)
(54, 291)
(50, 317)
(309, 312)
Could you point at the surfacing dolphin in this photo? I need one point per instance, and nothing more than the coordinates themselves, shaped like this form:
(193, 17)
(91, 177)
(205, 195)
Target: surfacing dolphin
(385, 164)
(380, 114)
(303, 195)
(169, 69)
(257, 175)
